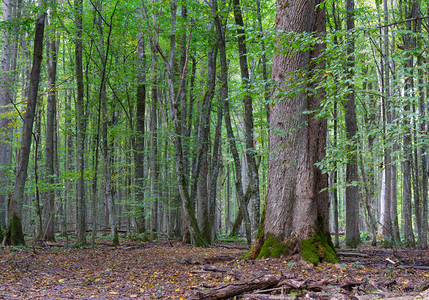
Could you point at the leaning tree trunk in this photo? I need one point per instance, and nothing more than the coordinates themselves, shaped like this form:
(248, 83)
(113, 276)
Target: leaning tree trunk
(297, 208)
(14, 233)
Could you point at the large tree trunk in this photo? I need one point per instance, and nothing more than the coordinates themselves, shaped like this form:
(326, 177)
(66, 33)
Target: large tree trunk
(16, 201)
(297, 213)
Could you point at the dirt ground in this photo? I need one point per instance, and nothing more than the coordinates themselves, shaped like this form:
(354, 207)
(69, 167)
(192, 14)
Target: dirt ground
(171, 270)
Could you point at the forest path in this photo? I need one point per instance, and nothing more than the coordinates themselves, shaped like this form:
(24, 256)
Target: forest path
(171, 270)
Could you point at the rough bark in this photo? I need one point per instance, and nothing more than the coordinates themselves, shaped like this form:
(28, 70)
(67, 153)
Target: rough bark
(297, 211)
(234, 289)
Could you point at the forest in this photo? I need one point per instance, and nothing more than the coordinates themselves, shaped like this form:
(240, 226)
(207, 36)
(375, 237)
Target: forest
(285, 127)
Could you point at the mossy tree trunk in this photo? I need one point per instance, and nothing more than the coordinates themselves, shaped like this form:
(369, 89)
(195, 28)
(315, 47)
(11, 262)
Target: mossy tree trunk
(14, 234)
(297, 210)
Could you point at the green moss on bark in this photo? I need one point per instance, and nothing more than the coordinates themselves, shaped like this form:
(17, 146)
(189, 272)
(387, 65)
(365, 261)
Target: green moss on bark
(14, 234)
(273, 247)
(116, 238)
(318, 248)
(1, 235)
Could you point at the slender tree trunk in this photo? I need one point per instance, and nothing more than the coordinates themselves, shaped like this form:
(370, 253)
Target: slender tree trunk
(49, 196)
(139, 135)
(352, 190)
(16, 201)
(203, 145)
(5, 101)
(230, 133)
(154, 163)
(80, 128)
(248, 115)
(385, 218)
(423, 157)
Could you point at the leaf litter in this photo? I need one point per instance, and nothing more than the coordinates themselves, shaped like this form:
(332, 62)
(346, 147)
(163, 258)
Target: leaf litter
(172, 270)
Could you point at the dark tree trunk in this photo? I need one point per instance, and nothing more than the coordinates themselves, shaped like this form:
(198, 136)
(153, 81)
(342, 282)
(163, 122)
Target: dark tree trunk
(139, 136)
(80, 128)
(248, 115)
(17, 198)
(352, 190)
(49, 196)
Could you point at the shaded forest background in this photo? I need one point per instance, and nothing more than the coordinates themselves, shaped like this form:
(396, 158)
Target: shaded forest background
(136, 131)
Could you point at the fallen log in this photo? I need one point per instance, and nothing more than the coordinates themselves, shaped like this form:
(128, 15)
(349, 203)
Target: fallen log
(238, 288)
(215, 269)
(267, 297)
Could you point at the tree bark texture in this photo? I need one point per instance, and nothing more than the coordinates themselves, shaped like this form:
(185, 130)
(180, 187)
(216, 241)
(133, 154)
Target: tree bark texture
(297, 211)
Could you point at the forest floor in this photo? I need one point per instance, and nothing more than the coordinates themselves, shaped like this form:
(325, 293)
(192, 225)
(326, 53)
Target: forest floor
(171, 270)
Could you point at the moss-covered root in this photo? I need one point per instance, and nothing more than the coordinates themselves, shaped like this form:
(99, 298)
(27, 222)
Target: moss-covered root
(318, 248)
(273, 247)
(14, 234)
(259, 241)
(1, 235)
(116, 238)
